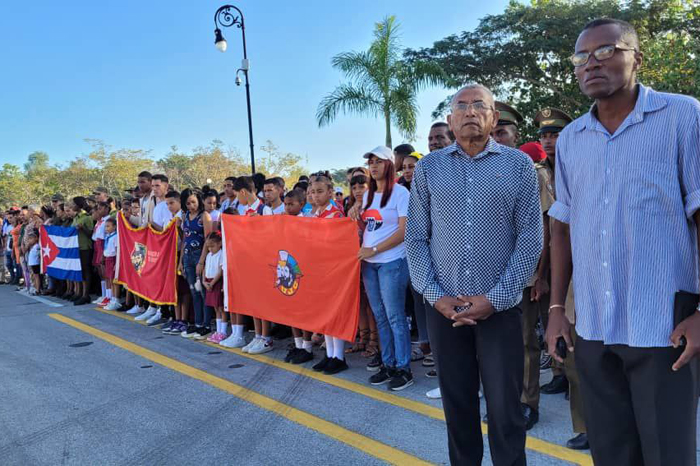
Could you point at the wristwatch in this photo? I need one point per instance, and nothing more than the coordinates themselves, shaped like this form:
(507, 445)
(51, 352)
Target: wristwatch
(375, 250)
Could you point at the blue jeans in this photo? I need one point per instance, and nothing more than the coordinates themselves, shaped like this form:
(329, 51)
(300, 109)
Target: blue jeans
(385, 285)
(189, 264)
(11, 267)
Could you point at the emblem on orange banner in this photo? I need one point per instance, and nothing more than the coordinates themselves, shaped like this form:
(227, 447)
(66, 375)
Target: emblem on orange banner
(288, 274)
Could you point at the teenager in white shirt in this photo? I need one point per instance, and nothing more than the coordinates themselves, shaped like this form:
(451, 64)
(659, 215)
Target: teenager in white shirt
(160, 218)
(272, 191)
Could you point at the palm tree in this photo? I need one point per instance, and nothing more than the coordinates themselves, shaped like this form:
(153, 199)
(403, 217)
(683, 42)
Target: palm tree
(381, 83)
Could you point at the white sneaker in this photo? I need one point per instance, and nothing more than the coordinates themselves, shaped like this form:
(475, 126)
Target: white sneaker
(186, 334)
(252, 343)
(156, 317)
(434, 394)
(233, 342)
(98, 300)
(263, 346)
(113, 305)
(135, 310)
(150, 312)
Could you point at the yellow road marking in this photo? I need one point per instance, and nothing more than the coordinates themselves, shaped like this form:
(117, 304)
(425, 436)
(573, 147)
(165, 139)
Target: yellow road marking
(372, 447)
(532, 443)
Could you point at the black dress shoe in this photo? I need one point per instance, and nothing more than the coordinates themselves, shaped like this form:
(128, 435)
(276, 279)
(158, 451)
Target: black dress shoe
(82, 301)
(559, 384)
(321, 365)
(580, 442)
(302, 357)
(531, 416)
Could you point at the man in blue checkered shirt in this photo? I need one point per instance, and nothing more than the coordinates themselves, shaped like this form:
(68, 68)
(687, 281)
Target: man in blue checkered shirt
(473, 238)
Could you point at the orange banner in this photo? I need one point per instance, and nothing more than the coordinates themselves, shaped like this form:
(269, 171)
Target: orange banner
(147, 261)
(298, 271)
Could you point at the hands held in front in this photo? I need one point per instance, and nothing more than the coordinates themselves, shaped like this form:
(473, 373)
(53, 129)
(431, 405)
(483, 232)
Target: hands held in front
(540, 289)
(365, 253)
(478, 308)
(558, 325)
(690, 329)
(354, 212)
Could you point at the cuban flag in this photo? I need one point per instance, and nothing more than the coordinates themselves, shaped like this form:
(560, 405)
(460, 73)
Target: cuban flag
(60, 254)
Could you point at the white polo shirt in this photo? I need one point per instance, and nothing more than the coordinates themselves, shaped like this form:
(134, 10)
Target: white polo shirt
(161, 214)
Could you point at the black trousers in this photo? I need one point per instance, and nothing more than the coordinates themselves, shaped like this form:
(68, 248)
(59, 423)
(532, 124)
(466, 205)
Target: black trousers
(493, 351)
(638, 411)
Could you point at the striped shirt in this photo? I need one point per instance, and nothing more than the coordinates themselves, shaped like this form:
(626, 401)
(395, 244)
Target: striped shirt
(474, 224)
(629, 199)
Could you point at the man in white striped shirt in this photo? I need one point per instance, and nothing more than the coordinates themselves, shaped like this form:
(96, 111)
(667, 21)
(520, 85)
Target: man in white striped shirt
(628, 194)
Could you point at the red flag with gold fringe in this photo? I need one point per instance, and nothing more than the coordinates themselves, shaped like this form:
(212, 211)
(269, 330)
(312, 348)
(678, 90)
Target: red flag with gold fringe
(147, 261)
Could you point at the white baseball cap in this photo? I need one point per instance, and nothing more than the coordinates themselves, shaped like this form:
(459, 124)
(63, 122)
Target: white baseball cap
(382, 152)
(338, 189)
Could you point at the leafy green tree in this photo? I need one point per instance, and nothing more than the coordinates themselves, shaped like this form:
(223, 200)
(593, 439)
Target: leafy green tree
(522, 53)
(276, 163)
(381, 83)
(13, 186)
(40, 176)
(339, 176)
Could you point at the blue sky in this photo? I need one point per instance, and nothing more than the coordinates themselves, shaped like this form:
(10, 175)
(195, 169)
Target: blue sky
(146, 74)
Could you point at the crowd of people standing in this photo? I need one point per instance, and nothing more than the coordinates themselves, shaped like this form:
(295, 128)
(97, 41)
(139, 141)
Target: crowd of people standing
(464, 253)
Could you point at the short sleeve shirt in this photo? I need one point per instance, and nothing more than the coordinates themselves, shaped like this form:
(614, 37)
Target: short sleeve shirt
(253, 208)
(213, 264)
(110, 245)
(99, 232)
(278, 210)
(331, 211)
(382, 222)
(161, 214)
(33, 258)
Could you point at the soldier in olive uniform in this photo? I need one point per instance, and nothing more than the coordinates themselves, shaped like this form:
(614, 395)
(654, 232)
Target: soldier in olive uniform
(506, 132)
(550, 122)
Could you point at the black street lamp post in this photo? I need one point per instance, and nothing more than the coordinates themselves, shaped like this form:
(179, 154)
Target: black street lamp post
(226, 18)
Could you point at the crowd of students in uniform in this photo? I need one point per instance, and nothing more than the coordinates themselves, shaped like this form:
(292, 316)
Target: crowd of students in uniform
(392, 332)
(377, 199)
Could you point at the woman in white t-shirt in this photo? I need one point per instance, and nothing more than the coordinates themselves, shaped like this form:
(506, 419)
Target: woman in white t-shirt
(382, 216)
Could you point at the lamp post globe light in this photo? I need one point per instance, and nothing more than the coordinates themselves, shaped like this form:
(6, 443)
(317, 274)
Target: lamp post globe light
(227, 16)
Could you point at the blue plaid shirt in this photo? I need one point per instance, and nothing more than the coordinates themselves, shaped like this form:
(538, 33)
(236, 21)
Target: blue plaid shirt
(629, 199)
(474, 224)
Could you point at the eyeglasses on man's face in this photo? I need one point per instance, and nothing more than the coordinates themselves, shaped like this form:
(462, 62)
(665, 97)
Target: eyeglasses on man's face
(478, 106)
(603, 53)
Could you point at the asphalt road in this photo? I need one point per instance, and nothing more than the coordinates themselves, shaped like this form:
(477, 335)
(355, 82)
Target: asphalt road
(126, 394)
